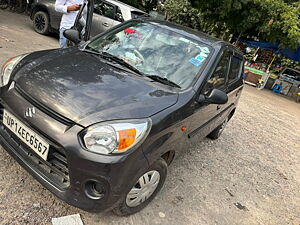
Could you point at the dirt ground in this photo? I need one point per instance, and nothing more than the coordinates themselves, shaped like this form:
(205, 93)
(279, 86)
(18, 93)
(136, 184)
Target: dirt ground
(251, 175)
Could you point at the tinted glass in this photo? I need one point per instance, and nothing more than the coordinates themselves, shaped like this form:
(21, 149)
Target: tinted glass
(104, 9)
(292, 74)
(119, 16)
(235, 68)
(218, 78)
(155, 50)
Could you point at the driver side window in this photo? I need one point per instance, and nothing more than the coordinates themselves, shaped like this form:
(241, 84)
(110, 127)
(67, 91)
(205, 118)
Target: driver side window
(119, 16)
(218, 78)
(104, 9)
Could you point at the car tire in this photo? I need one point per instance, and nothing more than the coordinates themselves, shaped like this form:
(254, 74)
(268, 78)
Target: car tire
(127, 205)
(41, 22)
(4, 4)
(216, 133)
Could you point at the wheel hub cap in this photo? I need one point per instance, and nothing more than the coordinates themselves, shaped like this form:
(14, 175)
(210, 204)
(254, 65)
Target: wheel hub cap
(40, 22)
(143, 188)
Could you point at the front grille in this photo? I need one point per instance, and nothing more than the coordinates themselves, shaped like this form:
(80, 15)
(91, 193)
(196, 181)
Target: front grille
(55, 169)
(43, 108)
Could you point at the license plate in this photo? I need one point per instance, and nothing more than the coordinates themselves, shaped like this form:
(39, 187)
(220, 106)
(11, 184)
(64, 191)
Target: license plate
(29, 137)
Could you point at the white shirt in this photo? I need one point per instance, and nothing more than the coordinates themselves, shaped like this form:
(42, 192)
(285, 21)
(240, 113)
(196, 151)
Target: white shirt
(68, 18)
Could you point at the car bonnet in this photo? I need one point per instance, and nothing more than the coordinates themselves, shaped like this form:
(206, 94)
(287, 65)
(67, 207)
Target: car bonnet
(83, 88)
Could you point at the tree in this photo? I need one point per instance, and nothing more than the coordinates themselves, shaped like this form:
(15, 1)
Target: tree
(265, 20)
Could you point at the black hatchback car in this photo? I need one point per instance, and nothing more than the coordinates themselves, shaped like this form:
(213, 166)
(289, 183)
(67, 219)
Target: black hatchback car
(98, 124)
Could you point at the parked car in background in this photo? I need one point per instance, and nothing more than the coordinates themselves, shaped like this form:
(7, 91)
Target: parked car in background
(107, 13)
(290, 75)
(289, 79)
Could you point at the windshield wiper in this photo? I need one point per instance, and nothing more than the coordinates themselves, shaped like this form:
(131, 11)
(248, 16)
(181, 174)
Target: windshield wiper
(120, 61)
(163, 80)
(111, 57)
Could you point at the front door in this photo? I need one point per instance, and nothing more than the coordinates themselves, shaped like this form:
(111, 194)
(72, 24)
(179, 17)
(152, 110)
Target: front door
(203, 121)
(84, 20)
(104, 17)
(234, 85)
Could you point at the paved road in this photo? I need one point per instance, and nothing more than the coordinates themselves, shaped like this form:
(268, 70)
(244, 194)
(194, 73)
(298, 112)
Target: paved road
(17, 36)
(249, 176)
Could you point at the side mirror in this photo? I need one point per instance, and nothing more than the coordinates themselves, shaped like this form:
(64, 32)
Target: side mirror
(216, 96)
(72, 35)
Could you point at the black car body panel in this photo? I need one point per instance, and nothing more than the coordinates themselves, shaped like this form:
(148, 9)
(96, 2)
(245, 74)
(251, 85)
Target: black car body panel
(72, 89)
(78, 165)
(101, 94)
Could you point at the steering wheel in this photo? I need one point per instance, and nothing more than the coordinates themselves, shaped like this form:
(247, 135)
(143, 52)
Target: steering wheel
(140, 56)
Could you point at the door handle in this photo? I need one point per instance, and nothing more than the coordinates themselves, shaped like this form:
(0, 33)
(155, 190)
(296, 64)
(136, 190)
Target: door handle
(218, 107)
(105, 24)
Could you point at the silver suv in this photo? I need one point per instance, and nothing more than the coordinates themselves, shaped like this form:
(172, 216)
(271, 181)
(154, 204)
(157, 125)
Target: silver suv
(107, 13)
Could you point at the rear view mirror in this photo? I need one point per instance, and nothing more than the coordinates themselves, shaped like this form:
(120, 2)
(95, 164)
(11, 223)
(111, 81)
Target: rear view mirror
(216, 96)
(72, 35)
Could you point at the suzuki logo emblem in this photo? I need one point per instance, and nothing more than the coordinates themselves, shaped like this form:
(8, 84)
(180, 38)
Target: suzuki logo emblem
(30, 112)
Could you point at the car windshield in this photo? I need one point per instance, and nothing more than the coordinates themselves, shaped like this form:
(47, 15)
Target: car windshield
(293, 74)
(155, 51)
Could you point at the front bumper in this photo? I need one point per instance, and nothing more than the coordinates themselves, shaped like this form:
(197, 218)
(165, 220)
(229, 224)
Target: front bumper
(69, 169)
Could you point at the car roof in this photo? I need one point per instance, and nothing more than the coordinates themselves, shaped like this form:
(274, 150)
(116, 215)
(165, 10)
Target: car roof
(191, 33)
(122, 4)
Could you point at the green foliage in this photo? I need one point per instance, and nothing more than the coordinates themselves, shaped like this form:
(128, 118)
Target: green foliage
(289, 63)
(182, 12)
(266, 20)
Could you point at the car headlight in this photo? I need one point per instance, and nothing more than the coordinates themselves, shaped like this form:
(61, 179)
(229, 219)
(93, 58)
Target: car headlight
(7, 69)
(116, 136)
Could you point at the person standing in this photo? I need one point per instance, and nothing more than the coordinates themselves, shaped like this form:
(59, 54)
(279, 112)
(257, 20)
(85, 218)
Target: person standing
(69, 9)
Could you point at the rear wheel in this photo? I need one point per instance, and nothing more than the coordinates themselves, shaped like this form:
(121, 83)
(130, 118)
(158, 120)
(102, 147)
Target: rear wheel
(3, 4)
(144, 190)
(41, 22)
(216, 133)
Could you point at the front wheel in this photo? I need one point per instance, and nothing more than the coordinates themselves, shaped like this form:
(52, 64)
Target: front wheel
(41, 22)
(144, 190)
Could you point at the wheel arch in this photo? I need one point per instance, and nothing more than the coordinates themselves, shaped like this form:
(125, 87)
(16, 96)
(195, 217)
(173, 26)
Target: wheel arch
(37, 8)
(231, 114)
(168, 157)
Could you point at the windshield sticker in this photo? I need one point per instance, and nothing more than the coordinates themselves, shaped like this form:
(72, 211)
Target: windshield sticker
(195, 62)
(205, 50)
(198, 60)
